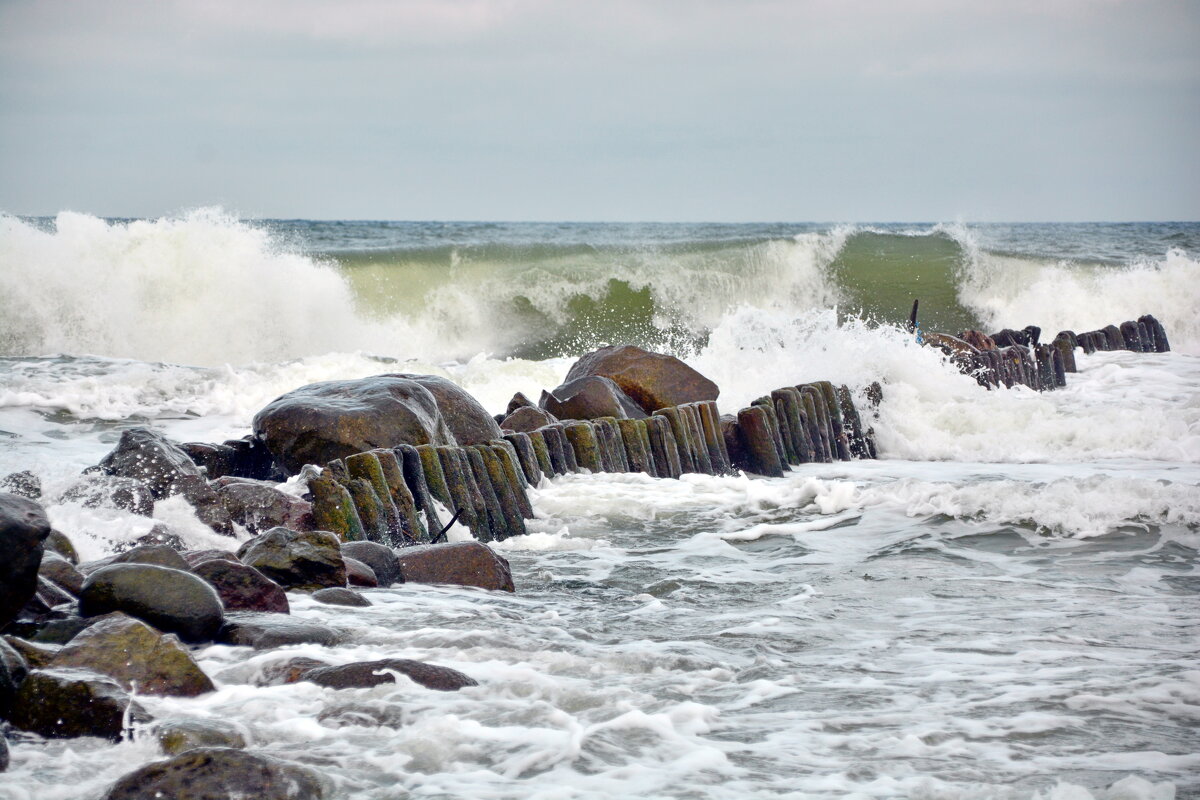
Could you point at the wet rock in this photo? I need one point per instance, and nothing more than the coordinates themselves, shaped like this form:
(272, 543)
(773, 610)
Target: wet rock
(54, 629)
(950, 345)
(337, 596)
(285, 671)
(652, 380)
(208, 505)
(149, 457)
(66, 703)
(4, 757)
(333, 508)
(358, 573)
(1158, 334)
(35, 655)
(25, 484)
(168, 599)
(468, 421)
(591, 397)
(247, 457)
(242, 587)
(111, 491)
(180, 735)
(61, 572)
(461, 563)
(195, 558)
(372, 673)
(218, 773)
(136, 656)
(519, 400)
(13, 670)
(318, 423)
(978, 339)
(259, 507)
(23, 529)
(304, 560)
(382, 560)
(160, 555)
(159, 536)
(527, 418)
(49, 595)
(1011, 338)
(59, 543)
(267, 631)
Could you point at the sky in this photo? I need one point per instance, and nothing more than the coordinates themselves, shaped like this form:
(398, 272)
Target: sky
(746, 110)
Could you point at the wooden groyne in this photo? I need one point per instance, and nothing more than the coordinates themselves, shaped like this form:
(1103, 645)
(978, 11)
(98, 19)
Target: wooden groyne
(387, 495)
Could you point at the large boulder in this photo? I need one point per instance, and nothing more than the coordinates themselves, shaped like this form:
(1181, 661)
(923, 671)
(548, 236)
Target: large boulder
(653, 380)
(365, 674)
(338, 596)
(461, 563)
(242, 587)
(219, 773)
(304, 560)
(23, 529)
(591, 397)
(169, 599)
(65, 703)
(136, 656)
(526, 419)
(159, 554)
(318, 423)
(147, 456)
(260, 506)
(468, 421)
(380, 558)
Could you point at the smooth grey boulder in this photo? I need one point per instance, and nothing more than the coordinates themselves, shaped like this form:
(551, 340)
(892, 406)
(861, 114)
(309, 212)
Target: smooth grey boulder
(365, 674)
(461, 563)
(242, 587)
(221, 773)
(149, 457)
(468, 421)
(171, 600)
(267, 631)
(337, 596)
(304, 560)
(23, 530)
(591, 397)
(380, 558)
(158, 554)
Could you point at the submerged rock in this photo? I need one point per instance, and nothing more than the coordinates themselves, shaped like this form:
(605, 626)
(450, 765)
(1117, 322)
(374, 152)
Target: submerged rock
(652, 380)
(242, 587)
(591, 397)
(149, 457)
(136, 656)
(169, 599)
(337, 596)
(285, 671)
(180, 735)
(372, 673)
(266, 631)
(112, 491)
(380, 558)
(220, 773)
(461, 563)
(24, 483)
(304, 560)
(23, 529)
(259, 507)
(66, 703)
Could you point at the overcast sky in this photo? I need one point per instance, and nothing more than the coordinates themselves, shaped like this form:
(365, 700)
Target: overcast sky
(829, 110)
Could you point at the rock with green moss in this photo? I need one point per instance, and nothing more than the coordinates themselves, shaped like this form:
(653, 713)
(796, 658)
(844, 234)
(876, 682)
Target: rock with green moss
(66, 703)
(208, 773)
(303, 560)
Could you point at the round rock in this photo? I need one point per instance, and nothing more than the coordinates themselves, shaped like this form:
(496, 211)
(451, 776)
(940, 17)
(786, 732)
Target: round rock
(168, 599)
(218, 773)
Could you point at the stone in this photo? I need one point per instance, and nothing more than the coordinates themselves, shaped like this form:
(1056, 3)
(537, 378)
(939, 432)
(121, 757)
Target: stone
(13, 671)
(320, 422)
(24, 483)
(149, 457)
(358, 573)
(242, 587)
(23, 530)
(304, 560)
(61, 572)
(267, 631)
(220, 773)
(757, 449)
(652, 380)
(591, 397)
(259, 507)
(4, 757)
(136, 656)
(159, 535)
(468, 421)
(207, 503)
(111, 491)
(978, 339)
(382, 560)
(171, 600)
(59, 543)
(35, 655)
(337, 596)
(461, 563)
(247, 457)
(180, 735)
(365, 674)
(527, 418)
(285, 671)
(195, 558)
(519, 400)
(66, 703)
(161, 555)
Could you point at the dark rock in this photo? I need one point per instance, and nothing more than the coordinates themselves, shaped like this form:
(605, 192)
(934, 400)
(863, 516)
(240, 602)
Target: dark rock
(136, 656)
(242, 587)
(215, 459)
(220, 773)
(195, 558)
(260, 507)
(25, 484)
(285, 671)
(65, 703)
(653, 380)
(3, 753)
(169, 599)
(35, 655)
(111, 491)
(461, 563)
(50, 595)
(318, 423)
(527, 419)
(147, 456)
(159, 536)
(13, 670)
(1011, 338)
(266, 631)
(59, 543)
(372, 673)
(337, 596)
(358, 573)
(158, 554)
(23, 529)
(61, 572)
(978, 339)
(207, 503)
(1034, 332)
(54, 631)
(180, 735)
(468, 421)
(305, 560)
(382, 560)
(519, 400)
(950, 345)
(591, 397)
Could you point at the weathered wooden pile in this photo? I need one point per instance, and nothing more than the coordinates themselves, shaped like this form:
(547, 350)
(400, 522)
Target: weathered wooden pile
(387, 495)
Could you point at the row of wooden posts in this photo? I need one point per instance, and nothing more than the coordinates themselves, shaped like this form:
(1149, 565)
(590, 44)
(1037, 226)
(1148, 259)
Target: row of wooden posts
(387, 495)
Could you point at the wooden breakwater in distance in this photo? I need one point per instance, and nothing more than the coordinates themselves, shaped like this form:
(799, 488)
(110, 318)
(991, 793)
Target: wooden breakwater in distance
(1009, 358)
(387, 495)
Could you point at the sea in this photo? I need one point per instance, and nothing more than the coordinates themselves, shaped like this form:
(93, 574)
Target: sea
(1003, 605)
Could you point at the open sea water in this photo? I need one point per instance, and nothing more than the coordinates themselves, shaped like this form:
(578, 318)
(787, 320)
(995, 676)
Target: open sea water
(1005, 605)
